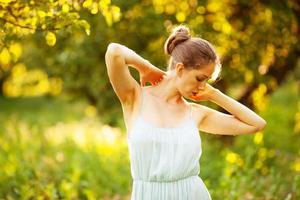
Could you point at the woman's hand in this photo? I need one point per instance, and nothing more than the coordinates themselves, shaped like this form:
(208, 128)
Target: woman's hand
(204, 95)
(152, 75)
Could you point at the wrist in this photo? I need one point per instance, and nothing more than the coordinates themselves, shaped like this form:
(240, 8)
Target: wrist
(214, 94)
(145, 67)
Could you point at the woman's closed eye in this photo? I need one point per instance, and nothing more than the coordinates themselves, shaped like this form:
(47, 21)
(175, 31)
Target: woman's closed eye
(201, 79)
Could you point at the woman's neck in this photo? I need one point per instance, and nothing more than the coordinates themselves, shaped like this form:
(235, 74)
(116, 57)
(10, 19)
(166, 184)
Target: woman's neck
(167, 91)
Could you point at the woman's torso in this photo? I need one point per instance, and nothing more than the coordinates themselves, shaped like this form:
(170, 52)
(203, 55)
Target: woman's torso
(174, 150)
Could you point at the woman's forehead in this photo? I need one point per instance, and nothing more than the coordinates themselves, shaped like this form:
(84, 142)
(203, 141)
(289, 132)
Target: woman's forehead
(203, 71)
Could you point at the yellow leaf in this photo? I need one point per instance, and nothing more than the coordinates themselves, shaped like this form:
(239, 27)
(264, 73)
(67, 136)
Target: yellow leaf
(16, 50)
(94, 9)
(5, 57)
(5, 1)
(65, 8)
(18, 70)
(258, 138)
(226, 28)
(61, 2)
(180, 16)
(76, 5)
(87, 3)
(116, 13)
(103, 4)
(88, 31)
(51, 39)
(214, 6)
(41, 13)
(231, 157)
(260, 99)
(108, 18)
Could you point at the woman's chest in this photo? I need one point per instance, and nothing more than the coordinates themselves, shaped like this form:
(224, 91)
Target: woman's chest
(148, 141)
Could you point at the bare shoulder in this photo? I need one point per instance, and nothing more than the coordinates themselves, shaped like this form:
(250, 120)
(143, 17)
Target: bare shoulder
(132, 101)
(130, 108)
(199, 112)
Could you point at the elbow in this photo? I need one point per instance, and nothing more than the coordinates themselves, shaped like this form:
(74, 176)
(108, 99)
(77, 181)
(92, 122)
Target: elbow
(112, 45)
(113, 49)
(262, 125)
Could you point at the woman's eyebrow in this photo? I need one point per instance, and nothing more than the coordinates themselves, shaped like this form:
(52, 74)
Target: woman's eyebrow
(206, 76)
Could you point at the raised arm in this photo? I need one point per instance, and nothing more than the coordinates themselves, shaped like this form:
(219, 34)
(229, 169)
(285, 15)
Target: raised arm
(242, 120)
(118, 58)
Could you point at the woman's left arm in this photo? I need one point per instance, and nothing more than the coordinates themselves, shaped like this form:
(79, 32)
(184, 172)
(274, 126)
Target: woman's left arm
(241, 121)
(237, 109)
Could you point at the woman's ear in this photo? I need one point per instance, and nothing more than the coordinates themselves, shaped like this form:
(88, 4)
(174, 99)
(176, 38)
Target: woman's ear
(179, 69)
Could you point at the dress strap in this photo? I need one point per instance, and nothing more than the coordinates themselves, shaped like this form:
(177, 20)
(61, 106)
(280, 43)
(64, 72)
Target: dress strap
(141, 104)
(190, 115)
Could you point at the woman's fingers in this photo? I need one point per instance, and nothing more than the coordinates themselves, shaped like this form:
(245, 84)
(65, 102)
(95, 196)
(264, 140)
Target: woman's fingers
(143, 83)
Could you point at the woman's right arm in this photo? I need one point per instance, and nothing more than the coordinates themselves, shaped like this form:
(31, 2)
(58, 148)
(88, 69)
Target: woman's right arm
(117, 58)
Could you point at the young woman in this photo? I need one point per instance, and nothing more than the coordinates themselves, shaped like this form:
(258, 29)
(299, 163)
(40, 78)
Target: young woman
(162, 126)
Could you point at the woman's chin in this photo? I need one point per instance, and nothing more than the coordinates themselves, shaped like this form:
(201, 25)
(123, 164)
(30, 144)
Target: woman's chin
(189, 96)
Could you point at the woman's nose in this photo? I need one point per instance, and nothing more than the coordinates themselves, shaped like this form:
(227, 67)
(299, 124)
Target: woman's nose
(202, 86)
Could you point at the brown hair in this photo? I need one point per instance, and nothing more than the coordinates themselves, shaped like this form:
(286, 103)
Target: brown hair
(193, 52)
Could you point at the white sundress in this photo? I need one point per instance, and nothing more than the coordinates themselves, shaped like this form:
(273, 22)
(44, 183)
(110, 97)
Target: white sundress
(164, 162)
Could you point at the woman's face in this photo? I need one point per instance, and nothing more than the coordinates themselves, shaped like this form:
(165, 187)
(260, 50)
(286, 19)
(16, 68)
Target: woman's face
(193, 80)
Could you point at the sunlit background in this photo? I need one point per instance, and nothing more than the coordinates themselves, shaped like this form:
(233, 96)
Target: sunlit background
(62, 134)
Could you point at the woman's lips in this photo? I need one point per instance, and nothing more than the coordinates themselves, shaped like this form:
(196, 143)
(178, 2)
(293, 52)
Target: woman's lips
(194, 94)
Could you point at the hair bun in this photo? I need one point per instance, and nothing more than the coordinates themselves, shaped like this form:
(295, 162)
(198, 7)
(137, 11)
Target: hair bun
(179, 34)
